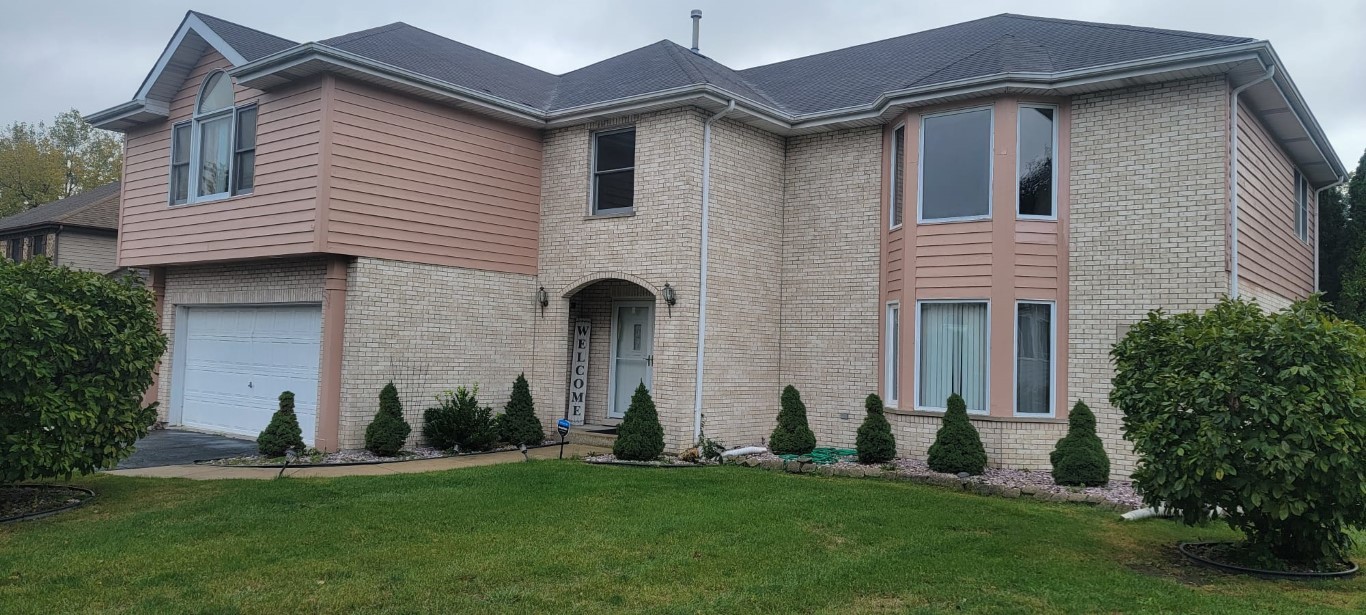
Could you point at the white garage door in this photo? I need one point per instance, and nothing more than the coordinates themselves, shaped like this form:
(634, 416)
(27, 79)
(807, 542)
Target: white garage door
(238, 360)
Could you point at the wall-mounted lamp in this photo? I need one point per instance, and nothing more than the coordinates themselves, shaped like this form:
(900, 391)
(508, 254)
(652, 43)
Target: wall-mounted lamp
(543, 298)
(670, 297)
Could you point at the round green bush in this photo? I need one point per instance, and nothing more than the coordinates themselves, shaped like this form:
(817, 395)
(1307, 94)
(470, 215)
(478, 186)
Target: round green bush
(875, 442)
(1260, 415)
(957, 446)
(283, 432)
(792, 436)
(1079, 457)
(518, 424)
(387, 433)
(640, 436)
(77, 351)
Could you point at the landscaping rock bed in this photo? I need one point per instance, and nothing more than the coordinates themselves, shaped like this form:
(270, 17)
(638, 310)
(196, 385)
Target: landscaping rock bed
(351, 457)
(21, 502)
(1118, 495)
(662, 462)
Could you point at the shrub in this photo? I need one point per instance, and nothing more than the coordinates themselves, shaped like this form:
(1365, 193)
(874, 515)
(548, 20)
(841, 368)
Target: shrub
(1079, 457)
(283, 432)
(792, 436)
(875, 442)
(518, 424)
(1262, 415)
(387, 433)
(640, 436)
(76, 355)
(957, 447)
(459, 422)
(709, 448)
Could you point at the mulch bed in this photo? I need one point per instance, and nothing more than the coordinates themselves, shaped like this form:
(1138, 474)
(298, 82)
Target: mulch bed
(29, 501)
(351, 457)
(663, 462)
(1232, 557)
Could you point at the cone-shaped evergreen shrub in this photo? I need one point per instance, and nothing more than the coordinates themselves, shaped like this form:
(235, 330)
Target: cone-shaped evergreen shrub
(957, 447)
(518, 424)
(792, 436)
(640, 436)
(386, 434)
(1079, 458)
(283, 431)
(875, 442)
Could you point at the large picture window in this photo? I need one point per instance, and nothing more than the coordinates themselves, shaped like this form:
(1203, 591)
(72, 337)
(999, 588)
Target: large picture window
(952, 357)
(1036, 173)
(614, 171)
(214, 154)
(955, 165)
(1034, 358)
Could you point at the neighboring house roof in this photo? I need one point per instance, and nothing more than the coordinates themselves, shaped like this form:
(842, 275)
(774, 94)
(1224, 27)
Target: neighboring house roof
(96, 208)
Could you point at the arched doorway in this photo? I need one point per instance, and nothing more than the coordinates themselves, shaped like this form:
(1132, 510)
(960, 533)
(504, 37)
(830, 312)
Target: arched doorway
(611, 348)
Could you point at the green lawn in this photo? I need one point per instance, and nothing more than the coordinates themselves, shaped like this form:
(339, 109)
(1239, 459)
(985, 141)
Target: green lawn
(567, 537)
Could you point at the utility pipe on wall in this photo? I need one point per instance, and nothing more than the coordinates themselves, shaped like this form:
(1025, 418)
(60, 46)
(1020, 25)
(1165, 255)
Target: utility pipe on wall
(1233, 178)
(702, 286)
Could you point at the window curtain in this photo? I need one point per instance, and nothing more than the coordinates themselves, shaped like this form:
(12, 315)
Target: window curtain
(215, 150)
(1035, 358)
(953, 354)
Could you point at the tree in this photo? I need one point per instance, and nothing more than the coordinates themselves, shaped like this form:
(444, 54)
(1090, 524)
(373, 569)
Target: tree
(1260, 415)
(78, 352)
(957, 446)
(875, 442)
(387, 433)
(283, 432)
(41, 163)
(640, 436)
(519, 424)
(1079, 457)
(1335, 242)
(792, 436)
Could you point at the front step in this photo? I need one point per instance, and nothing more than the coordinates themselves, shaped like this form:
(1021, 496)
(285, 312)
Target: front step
(593, 435)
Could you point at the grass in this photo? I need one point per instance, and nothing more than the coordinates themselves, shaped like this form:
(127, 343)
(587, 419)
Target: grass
(549, 536)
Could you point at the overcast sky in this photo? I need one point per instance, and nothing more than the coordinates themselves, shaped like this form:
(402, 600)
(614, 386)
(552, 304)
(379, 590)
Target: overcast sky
(93, 54)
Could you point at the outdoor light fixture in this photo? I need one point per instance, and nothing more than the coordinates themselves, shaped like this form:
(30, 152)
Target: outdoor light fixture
(542, 298)
(669, 297)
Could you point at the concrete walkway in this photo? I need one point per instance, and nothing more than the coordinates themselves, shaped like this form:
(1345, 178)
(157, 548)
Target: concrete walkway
(208, 472)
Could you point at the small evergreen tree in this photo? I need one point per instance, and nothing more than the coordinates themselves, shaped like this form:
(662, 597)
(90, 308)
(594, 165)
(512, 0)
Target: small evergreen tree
(459, 422)
(387, 433)
(283, 431)
(640, 437)
(957, 447)
(875, 442)
(1079, 457)
(792, 436)
(518, 423)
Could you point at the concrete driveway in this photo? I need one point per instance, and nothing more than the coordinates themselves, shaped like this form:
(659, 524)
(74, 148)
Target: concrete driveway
(169, 447)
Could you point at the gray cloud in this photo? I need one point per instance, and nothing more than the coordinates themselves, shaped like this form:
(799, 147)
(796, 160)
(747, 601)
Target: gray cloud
(92, 55)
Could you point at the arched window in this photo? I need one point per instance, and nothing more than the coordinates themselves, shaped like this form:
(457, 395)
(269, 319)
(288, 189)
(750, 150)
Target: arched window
(213, 154)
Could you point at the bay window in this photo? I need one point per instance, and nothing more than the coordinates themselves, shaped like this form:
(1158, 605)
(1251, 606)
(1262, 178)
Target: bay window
(897, 197)
(955, 165)
(892, 360)
(213, 155)
(1036, 174)
(1034, 358)
(952, 355)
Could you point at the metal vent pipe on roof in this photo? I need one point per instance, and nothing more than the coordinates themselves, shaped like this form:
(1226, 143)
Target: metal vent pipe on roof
(696, 28)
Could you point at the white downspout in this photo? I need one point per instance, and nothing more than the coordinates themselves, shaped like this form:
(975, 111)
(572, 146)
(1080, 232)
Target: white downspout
(1318, 226)
(702, 287)
(1233, 178)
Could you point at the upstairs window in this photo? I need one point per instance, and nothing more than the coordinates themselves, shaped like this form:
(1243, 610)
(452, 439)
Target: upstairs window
(614, 171)
(1036, 174)
(955, 166)
(214, 154)
(1301, 207)
(898, 195)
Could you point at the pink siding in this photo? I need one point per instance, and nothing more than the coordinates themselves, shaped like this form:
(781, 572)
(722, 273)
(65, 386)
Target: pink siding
(1270, 253)
(411, 180)
(276, 219)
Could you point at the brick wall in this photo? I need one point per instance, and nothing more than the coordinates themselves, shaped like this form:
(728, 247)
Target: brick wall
(1148, 223)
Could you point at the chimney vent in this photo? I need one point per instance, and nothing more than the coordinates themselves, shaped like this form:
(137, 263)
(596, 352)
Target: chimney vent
(696, 28)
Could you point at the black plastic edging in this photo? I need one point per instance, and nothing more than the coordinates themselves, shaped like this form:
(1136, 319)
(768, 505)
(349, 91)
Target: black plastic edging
(1280, 574)
(48, 513)
(365, 463)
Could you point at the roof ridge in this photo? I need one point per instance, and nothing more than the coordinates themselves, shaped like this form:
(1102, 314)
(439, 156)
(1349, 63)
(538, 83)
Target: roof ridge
(684, 63)
(695, 58)
(1115, 26)
(202, 15)
(883, 40)
(363, 34)
(989, 46)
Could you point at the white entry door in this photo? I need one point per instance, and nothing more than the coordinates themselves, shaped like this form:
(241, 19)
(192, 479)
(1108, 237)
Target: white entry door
(633, 332)
(237, 360)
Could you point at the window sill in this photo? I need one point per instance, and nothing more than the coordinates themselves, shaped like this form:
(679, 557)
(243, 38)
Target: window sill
(615, 214)
(210, 201)
(953, 220)
(972, 416)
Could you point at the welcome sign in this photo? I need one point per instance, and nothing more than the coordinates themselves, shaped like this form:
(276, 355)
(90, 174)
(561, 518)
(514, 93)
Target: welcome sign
(578, 372)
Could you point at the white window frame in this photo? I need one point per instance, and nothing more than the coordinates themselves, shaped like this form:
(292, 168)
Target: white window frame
(892, 355)
(991, 169)
(196, 121)
(916, 385)
(892, 223)
(1054, 165)
(1301, 207)
(1052, 360)
(593, 176)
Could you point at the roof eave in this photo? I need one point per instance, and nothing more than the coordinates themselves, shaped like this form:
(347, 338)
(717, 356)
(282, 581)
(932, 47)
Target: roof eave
(120, 118)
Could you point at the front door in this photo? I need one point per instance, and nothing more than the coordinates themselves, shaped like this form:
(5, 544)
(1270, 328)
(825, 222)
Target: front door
(633, 325)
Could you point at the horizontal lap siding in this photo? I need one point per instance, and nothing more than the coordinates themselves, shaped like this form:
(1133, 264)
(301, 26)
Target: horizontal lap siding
(410, 180)
(953, 260)
(278, 218)
(1270, 254)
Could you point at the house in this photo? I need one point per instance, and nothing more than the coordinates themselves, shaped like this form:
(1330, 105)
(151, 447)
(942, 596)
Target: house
(981, 208)
(78, 231)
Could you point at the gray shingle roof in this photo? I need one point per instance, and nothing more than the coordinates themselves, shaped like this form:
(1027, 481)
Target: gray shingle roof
(252, 44)
(97, 207)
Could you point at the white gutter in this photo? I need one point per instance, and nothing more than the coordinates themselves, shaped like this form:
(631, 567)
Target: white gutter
(1233, 177)
(702, 287)
(1318, 226)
